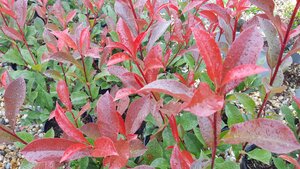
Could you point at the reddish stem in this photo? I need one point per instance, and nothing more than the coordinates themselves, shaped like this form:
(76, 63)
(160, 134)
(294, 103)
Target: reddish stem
(279, 61)
(13, 134)
(215, 144)
(86, 79)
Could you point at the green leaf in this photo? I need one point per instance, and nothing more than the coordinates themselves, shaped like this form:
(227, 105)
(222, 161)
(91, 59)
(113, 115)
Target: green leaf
(246, 101)
(49, 134)
(79, 98)
(233, 114)
(168, 139)
(192, 144)
(25, 136)
(188, 121)
(289, 117)
(12, 56)
(160, 163)
(260, 155)
(279, 163)
(84, 163)
(114, 36)
(26, 165)
(227, 165)
(199, 135)
(154, 151)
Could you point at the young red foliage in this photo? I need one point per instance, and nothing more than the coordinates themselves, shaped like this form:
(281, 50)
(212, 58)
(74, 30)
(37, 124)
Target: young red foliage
(63, 94)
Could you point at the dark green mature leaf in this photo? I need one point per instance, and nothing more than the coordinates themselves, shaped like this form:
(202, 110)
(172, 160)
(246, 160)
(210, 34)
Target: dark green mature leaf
(160, 163)
(192, 144)
(12, 56)
(289, 117)
(154, 151)
(187, 120)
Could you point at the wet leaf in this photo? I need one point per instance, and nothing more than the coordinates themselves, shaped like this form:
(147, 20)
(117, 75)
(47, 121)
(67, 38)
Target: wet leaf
(117, 58)
(104, 147)
(63, 94)
(267, 6)
(21, 9)
(170, 87)
(107, 120)
(137, 148)
(205, 102)
(91, 130)
(14, 97)
(46, 150)
(244, 50)
(260, 155)
(157, 31)
(65, 124)
(268, 134)
(136, 114)
(73, 149)
(177, 160)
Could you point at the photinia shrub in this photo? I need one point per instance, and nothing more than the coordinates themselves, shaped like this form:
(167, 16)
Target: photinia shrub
(158, 81)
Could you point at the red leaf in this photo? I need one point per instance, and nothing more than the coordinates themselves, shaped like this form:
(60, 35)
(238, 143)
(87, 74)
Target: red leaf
(138, 40)
(70, 16)
(65, 124)
(157, 31)
(73, 149)
(20, 7)
(12, 33)
(124, 11)
(267, 6)
(48, 165)
(129, 79)
(117, 58)
(205, 102)
(64, 57)
(116, 162)
(124, 92)
(107, 116)
(137, 148)
(210, 53)
(174, 128)
(85, 108)
(290, 160)
(153, 59)
(104, 147)
(14, 97)
(206, 125)
(170, 87)
(193, 4)
(5, 79)
(89, 5)
(221, 12)
(177, 160)
(91, 130)
(46, 150)
(242, 71)
(244, 50)
(85, 42)
(63, 35)
(268, 134)
(136, 114)
(63, 94)
(122, 105)
(122, 129)
(8, 12)
(125, 36)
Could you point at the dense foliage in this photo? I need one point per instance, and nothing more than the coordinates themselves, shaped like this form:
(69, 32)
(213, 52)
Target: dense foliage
(147, 83)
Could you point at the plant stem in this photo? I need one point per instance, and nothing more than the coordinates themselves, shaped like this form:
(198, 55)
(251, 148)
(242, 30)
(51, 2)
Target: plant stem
(13, 134)
(214, 148)
(63, 70)
(279, 61)
(26, 44)
(86, 79)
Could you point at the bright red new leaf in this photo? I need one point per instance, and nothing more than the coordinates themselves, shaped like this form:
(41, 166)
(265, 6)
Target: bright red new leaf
(170, 87)
(117, 58)
(46, 150)
(73, 149)
(65, 124)
(104, 147)
(177, 159)
(268, 134)
(174, 128)
(210, 53)
(205, 102)
(107, 116)
(242, 71)
(63, 94)
(12, 33)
